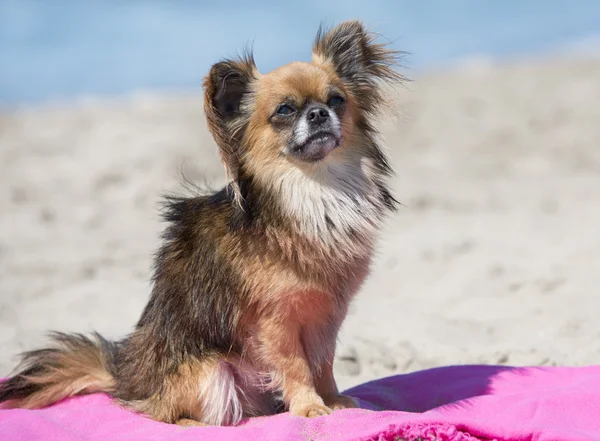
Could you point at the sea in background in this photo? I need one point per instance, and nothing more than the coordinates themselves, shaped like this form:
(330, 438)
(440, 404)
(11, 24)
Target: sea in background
(62, 49)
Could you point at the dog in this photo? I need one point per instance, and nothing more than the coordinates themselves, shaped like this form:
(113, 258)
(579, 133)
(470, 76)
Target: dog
(252, 282)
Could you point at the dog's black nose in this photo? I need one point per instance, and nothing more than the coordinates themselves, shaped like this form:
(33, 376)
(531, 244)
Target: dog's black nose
(317, 115)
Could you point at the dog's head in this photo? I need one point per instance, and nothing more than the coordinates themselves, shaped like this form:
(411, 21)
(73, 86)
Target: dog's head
(301, 113)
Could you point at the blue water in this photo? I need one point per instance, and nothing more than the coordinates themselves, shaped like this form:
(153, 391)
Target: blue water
(57, 49)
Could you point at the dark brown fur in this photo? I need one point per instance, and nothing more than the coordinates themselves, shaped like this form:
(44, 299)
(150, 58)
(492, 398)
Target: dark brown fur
(246, 304)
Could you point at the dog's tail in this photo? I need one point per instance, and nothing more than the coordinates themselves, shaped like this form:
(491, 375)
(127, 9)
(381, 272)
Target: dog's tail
(73, 365)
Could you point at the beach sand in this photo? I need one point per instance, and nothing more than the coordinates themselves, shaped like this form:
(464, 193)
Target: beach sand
(493, 258)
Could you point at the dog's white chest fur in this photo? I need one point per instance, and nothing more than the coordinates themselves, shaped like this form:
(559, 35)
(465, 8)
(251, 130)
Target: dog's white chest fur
(333, 198)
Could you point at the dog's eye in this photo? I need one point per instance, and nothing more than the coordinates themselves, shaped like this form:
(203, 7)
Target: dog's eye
(335, 101)
(285, 110)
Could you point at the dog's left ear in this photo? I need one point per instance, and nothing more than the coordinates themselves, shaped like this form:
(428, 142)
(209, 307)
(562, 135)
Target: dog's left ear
(227, 90)
(358, 60)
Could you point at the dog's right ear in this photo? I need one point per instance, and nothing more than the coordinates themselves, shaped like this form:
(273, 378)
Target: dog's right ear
(227, 91)
(359, 60)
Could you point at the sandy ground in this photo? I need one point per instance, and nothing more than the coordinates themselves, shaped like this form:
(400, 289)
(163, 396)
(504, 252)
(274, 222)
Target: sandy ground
(494, 257)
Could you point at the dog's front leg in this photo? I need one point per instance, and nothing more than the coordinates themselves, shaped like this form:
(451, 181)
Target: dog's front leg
(327, 388)
(322, 342)
(283, 354)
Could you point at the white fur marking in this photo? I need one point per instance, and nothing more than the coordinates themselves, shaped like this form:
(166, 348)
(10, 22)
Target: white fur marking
(231, 393)
(340, 192)
(219, 395)
(335, 125)
(302, 132)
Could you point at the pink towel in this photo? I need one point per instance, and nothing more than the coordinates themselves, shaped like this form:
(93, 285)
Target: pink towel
(466, 403)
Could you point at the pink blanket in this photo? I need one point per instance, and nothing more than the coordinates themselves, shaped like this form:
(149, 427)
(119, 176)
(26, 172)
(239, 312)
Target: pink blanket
(454, 403)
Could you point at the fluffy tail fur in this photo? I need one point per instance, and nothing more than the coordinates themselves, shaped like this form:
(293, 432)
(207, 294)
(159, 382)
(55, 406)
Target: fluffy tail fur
(73, 365)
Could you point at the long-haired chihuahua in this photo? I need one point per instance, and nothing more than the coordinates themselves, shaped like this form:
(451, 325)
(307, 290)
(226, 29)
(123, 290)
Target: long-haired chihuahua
(252, 282)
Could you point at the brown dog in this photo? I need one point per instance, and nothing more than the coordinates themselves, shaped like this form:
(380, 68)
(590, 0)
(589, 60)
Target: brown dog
(251, 283)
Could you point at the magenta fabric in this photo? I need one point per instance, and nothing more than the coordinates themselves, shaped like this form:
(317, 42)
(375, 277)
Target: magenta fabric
(457, 403)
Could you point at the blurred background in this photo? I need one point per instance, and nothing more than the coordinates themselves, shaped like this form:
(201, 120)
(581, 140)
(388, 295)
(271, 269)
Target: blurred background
(66, 48)
(493, 258)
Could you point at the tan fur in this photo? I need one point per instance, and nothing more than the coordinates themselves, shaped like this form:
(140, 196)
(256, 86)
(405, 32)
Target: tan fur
(187, 422)
(293, 324)
(299, 81)
(74, 371)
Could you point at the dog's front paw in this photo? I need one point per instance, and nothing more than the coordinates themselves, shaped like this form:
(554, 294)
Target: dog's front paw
(342, 402)
(310, 410)
(187, 422)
